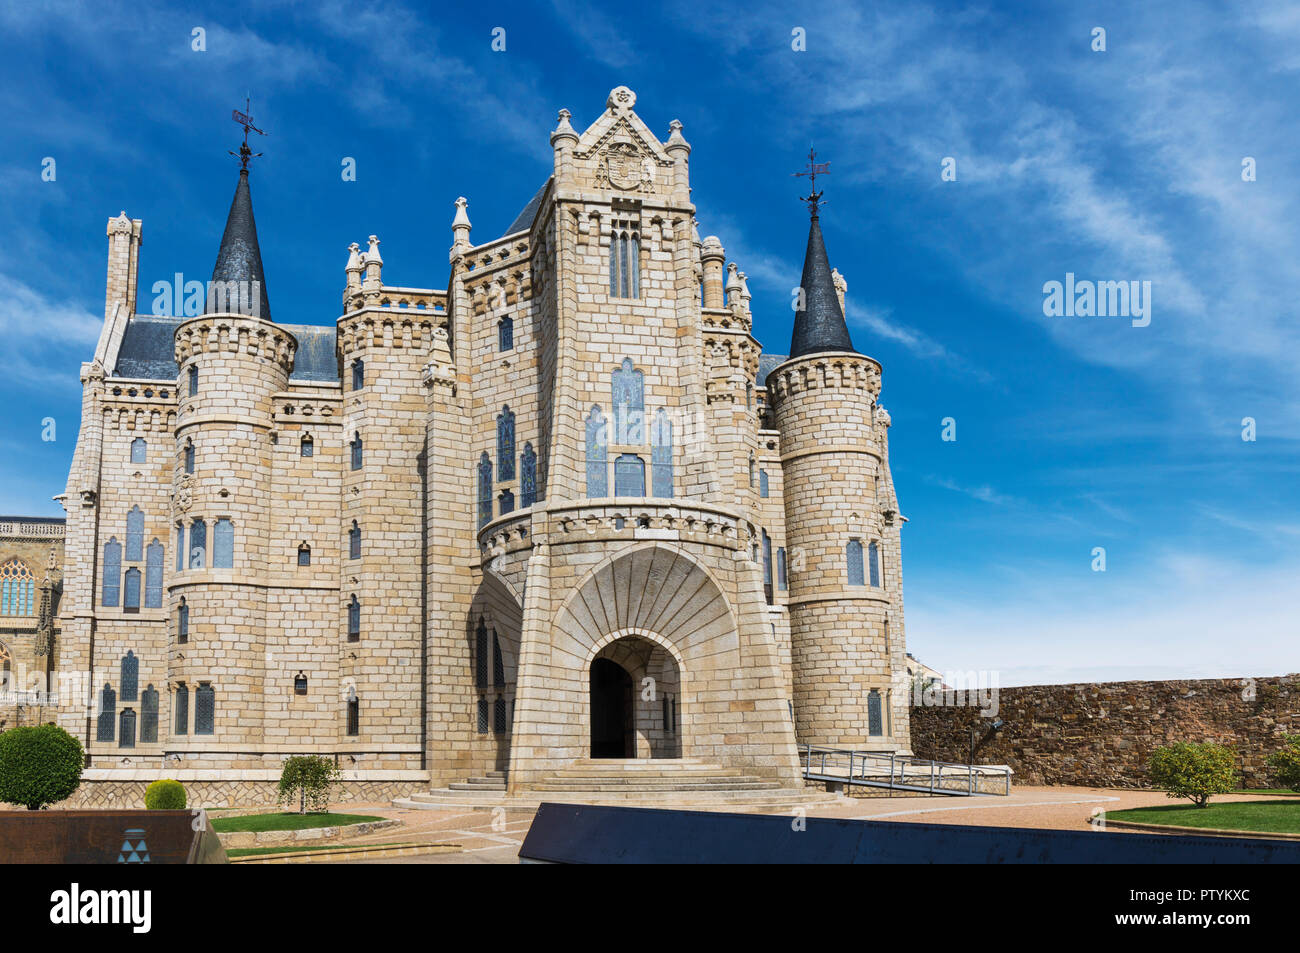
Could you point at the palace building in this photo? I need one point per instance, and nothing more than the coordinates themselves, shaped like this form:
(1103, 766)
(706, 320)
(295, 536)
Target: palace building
(564, 511)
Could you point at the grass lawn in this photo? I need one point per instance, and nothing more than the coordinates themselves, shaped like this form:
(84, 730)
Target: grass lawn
(287, 821)
(1270, 791)
(1275, 817)
(294, 849)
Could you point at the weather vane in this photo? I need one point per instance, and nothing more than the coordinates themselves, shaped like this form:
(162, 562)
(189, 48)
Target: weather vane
(814, 169)
(245, 120)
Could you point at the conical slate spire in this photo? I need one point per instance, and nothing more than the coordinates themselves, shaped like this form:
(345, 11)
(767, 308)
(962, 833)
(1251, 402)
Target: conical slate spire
(239, 260)
(819, 324)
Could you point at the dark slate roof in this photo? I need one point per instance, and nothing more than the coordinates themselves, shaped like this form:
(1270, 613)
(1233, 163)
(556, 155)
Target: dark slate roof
(819, 325)
(148, 348)
(316, 359)
(240, 258)
(524, 220)
(768, 363)
(147, 351)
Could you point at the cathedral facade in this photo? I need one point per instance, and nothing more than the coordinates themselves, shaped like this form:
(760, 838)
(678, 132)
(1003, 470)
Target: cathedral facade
(566, 508)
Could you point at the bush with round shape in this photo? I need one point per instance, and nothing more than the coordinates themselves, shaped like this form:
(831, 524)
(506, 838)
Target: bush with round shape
(309, 778)
(1287, 763)
(165, 795)
(1193, 771)
(39, 765)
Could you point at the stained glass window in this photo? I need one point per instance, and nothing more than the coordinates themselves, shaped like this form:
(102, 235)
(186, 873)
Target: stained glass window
(505, 444)
(182, 709)
(354, 541)
(149, 716)
(17, 585)
(223, 545)
(139, 450)
(484, 489)
(875, 726)
(153, 576)
(126, 737)
(354, 620)
(629, 475)
(528, 476)
(107, 714)
(597, 474)
(627, 386)
(506, 334)
(198, 544)
(205, 709)
(661, 455)
(134, 535)
(130, 676)
(853, 560)
(873, 562)
(131, 593)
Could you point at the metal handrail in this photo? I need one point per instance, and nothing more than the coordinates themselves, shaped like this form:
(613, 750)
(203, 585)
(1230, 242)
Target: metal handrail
(858, 762)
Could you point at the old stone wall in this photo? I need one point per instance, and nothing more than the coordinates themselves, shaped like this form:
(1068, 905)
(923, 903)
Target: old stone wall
(1103, 734)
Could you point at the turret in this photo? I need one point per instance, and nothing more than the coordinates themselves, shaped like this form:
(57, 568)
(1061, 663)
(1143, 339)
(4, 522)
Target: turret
(845, 602)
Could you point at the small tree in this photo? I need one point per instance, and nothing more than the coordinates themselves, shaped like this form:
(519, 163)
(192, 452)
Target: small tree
(1193, 771)
(310, 778)
(1287, 762)
(165, 795)
(39, 765)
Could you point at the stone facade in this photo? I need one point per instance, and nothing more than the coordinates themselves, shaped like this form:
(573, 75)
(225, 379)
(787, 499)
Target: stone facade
(31, 586)
(1102, 735)
(424, 533)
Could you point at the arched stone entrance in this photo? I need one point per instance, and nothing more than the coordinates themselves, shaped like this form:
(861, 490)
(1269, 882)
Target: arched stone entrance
(635, 689)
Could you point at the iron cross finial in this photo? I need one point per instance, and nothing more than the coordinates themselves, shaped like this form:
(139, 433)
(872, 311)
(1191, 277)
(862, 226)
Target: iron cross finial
(814, 169)
(245, 119)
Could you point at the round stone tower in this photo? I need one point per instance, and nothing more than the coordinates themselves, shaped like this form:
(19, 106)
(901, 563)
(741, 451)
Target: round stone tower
(232, 361)
(840, 602)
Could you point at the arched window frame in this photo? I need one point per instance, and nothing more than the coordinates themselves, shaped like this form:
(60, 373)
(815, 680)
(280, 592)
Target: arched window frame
(139, 450)
(506, 334)
(131, 584)
(528, 476)
(130, 677)
(505, 444)
(484, 489)
(112, 588)
(763, 485)
(223, 544)
(661, 455)
(853, 562)
(19, 586)
(627, 399)
(182, 622)
(354, 541)
(153, 575)
(135, 535)
(358, 374)
(205, 709)
(356, 450)
(126, 732)
(505, 502)
(597, 455)
(194, 379)
(198, 544)
(106, 723)
(149, 716)
(304, 554)
(354, 619)
(181, 710)
(873, 563)
(306, 446)
(189, 455)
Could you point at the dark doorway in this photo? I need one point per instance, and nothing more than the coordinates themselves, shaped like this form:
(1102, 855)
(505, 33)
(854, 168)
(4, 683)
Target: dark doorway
(611, 710)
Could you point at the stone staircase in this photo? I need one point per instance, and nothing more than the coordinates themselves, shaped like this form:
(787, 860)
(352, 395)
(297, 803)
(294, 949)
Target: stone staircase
(686, 783)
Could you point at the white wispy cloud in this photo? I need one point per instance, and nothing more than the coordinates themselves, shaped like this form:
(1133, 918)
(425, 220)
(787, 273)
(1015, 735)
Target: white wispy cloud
(45, 336)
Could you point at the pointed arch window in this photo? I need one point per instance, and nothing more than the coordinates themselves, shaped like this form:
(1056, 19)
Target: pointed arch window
(180, 547)
(183, 622)
(629, 475)
(873, 562)
(205, 709)
(506, 334)
(498, 662)
(875, 721)
(153, 576)
(149, 716)
(767, 561)
(223, 545)
(189, 456)
(358, 374)
(112, 572)
(356, 451)
(135, 535)
(130, 680)
(17, 585)
(624, 261)
(354, 541)
(484, 489)
(661, 455)
(528, 476)
(782, 577)
(198, 544)
(354, 619)
(480, 654)
(597, 455)
(194, 379)
(139, 450)
(304, 555)
(853, 561)
(126, 735)
(627, 386)
(104, 725)
(182, 706)
(505, 444)
(131, 590)
(762, 483)
(306, 446)
(506, 502)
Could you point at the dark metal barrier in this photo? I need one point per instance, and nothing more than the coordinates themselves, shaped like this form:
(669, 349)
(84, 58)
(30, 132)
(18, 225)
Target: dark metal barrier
(589, 834)
(108, 837)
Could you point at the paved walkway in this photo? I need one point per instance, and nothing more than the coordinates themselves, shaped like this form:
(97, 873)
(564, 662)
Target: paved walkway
(489, 839)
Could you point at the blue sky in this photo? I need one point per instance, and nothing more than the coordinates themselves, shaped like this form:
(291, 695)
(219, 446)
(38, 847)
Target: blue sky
(1072, 432)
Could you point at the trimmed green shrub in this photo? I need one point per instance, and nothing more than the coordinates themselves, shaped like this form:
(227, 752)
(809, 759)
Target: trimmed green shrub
(1194, 771)
(165, 795)
(39, 765)
(309, 777)
(1287, 763)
